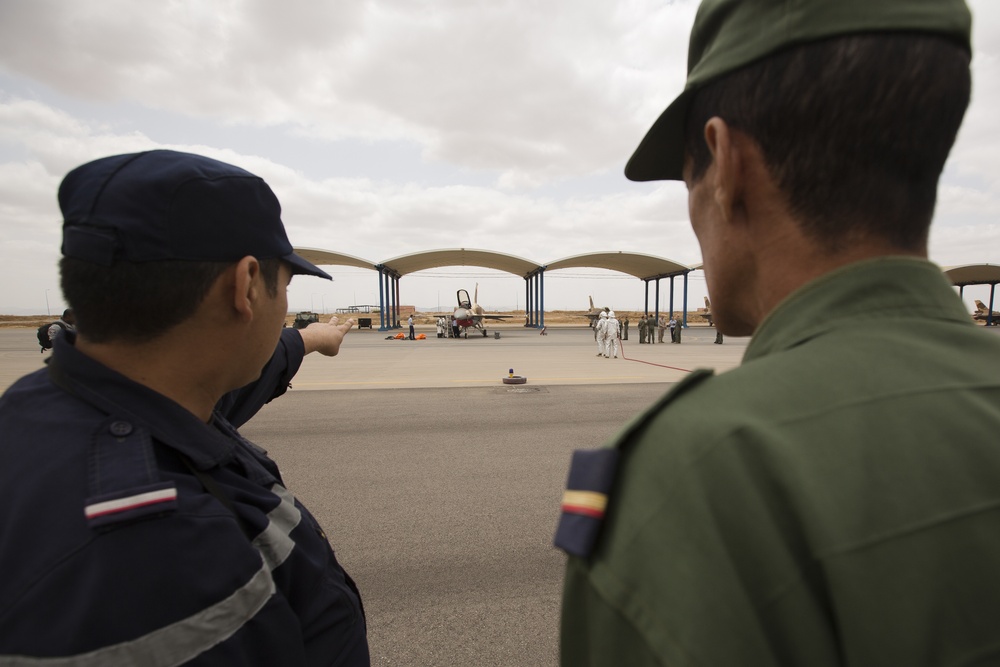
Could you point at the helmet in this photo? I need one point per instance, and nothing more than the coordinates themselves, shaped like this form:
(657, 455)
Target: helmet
(611, 314)
(603, 315)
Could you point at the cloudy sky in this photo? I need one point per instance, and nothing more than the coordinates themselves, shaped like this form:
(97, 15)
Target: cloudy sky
(388, 127)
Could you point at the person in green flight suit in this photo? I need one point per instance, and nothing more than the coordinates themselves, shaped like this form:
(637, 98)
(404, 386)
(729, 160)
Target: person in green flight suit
(834, 500)
(642, 330)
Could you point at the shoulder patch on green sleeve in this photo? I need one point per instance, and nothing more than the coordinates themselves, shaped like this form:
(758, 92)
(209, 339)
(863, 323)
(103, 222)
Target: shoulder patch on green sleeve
(592, 474)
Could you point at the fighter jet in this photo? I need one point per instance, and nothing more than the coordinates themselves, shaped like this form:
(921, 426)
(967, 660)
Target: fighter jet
(594, 313)
(983, 314)
(470, 315)
(708, 312)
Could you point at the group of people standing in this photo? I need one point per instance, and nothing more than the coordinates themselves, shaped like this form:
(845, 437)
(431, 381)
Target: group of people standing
(608, 330)
(651, 329)
(444, 330)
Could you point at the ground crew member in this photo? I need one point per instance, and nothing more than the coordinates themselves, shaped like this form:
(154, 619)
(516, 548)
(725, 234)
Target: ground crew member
(139, 527)
(625, 328)
(599, 329)
(675, 336)
(642, 330)
(809, 520)
(611, 336)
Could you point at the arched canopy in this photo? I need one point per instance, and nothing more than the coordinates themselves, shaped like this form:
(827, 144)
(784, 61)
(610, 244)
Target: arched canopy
(973, 274)
(318, 257)
(432, 259)
(636, 264)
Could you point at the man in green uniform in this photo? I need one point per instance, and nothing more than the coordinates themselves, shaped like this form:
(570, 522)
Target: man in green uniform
(642, 330)
(835, 500)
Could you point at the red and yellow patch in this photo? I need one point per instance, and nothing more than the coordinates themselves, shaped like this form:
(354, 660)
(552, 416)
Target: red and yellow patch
(588, 503)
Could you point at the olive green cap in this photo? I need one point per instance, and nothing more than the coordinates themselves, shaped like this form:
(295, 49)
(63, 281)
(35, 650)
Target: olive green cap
(729, 34)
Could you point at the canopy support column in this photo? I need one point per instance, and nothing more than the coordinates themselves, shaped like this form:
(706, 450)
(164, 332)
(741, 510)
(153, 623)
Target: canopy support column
(529, 316)
(672, 295)
(989, 318)
(395, 285)
(657, 304)
(541, 301)
(382, 310)
(685, 314)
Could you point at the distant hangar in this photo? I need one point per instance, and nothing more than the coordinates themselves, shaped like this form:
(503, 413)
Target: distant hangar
(647, 268)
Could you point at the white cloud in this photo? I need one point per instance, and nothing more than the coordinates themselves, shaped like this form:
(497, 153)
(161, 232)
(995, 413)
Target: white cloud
(955, 201)
(540, 93)
(966, 244)
(373, 220)
(541, 103)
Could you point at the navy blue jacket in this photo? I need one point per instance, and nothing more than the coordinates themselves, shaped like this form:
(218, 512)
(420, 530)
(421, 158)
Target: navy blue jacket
(114, 552)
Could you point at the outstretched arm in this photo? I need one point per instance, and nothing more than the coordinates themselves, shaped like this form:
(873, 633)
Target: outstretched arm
(325, 338)
(240, 405)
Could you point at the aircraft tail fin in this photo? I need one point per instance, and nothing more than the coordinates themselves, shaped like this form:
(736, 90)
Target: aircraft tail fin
(591, 302)
(475, 296)
(981, 306)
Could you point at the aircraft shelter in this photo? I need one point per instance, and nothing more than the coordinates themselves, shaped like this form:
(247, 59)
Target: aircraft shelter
(647, 268)
(975, 274)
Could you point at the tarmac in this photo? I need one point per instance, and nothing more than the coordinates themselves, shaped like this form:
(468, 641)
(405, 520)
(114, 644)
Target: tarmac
(438, 484)
(563, 356)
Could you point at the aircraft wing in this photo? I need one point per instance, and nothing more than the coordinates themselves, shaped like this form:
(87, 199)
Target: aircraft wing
(497, 317)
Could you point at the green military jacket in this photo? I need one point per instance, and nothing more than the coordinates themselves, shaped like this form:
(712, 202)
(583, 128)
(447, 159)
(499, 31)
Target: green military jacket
(835, 500)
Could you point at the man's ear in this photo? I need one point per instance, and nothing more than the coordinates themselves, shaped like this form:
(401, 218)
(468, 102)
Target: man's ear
(246, 287)
(728, 177)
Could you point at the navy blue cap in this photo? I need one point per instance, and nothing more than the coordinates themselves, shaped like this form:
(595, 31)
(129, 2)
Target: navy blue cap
(161, 205)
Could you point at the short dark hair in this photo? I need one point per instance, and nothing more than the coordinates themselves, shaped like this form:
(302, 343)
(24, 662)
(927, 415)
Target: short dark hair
(136, 302)
(854, 129)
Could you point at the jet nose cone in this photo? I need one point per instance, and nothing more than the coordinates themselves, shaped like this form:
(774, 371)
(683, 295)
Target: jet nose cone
(461, 314)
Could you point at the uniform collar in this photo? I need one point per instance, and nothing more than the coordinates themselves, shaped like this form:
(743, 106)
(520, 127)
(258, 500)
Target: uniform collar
(897, 288)
(113, 393)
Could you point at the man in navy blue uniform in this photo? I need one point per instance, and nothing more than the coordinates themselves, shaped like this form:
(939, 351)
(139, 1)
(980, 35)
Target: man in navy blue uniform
(137, 527)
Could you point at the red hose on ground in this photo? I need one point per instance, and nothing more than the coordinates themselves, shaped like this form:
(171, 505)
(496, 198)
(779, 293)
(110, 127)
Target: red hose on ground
(621, 344)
